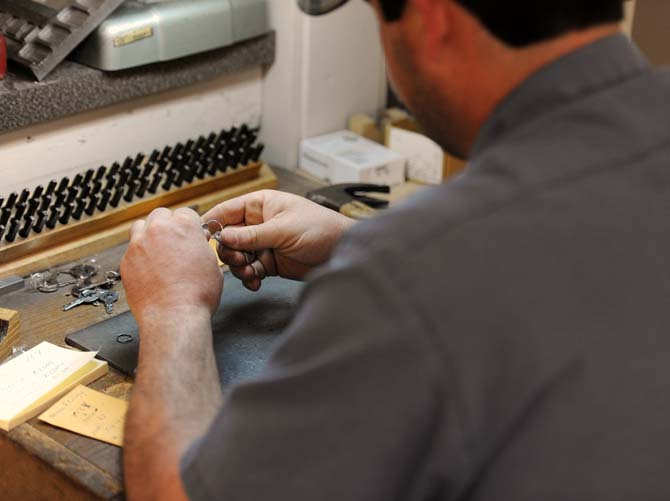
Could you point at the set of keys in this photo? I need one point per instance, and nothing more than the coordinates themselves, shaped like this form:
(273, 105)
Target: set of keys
(95, 296)
(251, 257)
(49, 281)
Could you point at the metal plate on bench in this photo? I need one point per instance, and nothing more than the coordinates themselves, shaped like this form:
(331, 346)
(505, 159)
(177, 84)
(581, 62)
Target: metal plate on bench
(41, 33)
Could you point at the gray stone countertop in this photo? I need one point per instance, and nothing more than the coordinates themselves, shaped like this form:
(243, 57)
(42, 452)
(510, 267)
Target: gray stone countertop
(73, 88)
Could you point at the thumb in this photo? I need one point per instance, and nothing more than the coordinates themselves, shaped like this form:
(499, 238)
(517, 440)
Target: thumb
(252, 238)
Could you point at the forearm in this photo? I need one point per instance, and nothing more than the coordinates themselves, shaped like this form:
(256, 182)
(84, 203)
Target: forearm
(175, 398)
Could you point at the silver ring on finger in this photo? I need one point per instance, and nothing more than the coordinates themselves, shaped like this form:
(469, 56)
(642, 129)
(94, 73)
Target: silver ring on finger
(250, 257)
(259, 270)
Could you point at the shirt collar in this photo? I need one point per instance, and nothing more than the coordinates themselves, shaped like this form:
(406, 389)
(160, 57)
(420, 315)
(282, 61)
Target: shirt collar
(589, 69)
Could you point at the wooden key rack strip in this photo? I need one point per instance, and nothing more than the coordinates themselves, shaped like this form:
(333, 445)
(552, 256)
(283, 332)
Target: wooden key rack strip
(199, 176)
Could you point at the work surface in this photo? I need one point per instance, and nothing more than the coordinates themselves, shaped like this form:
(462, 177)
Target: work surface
(39, 461)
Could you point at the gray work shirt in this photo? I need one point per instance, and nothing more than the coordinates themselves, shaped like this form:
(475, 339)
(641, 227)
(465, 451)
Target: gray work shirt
(505, 336)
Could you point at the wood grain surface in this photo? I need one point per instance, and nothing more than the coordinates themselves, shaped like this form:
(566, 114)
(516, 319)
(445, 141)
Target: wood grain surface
(10, 325)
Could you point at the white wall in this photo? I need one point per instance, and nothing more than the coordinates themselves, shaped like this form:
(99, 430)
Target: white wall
(281, 121)
(327, 68)
(37, 154)
(344, 70)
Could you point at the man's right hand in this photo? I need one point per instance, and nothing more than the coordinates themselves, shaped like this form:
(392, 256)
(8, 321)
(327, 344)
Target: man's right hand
(290, 234)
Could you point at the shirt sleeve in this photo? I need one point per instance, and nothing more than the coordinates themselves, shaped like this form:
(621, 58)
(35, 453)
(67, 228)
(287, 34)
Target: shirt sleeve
(345, 409)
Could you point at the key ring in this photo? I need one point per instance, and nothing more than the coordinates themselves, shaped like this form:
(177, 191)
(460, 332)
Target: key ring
(215, 236)
(125, 338)
(251, 257)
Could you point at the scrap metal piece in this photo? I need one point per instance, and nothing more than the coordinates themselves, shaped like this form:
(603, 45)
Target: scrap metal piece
(351, 199)
(41, 33)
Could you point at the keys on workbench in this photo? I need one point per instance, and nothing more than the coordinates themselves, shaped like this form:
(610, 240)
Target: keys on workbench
(97, 294)
(80, 277)
(50, 281)
(88, 297)
(109, 298)
(96, 297)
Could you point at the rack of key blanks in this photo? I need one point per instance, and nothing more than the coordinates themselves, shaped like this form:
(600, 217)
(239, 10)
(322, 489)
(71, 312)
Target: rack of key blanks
(72, 218)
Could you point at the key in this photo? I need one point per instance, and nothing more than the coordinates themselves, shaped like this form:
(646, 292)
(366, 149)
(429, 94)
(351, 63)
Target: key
(109, 298)
(78, 291)
(88, 297)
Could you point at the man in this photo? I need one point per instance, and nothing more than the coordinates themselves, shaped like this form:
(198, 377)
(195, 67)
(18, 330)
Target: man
(501, 337)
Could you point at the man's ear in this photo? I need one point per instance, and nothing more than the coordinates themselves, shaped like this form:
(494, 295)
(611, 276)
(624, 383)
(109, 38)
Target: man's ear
(432, 22)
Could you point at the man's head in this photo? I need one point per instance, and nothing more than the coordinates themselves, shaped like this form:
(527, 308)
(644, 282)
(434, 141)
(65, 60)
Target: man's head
(453, 61)
(524, 22)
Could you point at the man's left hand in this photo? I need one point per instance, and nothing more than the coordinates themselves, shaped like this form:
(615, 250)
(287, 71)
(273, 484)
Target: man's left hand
(169, 268)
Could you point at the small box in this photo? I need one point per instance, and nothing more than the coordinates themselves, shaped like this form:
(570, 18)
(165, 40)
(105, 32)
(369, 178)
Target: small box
(345, 157)
(426, 161)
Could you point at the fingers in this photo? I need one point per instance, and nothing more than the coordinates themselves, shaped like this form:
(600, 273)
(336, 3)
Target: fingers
(253, 285)
(235, 211)
(243, 273)
(234, 258)
(248, 277)
(267, 259)
(137, 229)
(157, 214)
(253, 238)
(185, 214)
(254, 212)
(250, 271)
(188, 214)
(259, 269)
(139, 226)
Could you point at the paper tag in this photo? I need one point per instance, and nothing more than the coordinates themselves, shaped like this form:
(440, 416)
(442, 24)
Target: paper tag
(30, 376)
(133, 36)
(89, 413)
(213, 244)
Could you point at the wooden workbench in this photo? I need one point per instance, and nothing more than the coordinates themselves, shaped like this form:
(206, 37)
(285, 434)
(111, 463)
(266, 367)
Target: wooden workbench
(38, 461)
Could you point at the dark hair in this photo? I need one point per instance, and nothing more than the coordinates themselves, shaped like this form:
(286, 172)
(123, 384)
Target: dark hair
(524, 22)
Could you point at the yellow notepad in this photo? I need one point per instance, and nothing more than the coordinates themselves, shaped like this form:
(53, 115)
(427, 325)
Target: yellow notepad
(90, 413)
(31, 382)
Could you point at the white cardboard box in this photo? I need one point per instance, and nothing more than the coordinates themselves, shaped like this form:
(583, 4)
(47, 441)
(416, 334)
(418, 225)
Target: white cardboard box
(425, 158)
(345, 157)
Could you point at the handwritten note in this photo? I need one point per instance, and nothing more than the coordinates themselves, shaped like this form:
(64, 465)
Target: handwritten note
(27, 378)
(89, 413)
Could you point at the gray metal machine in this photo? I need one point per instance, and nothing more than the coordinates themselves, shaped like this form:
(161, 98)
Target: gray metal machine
(147, 31)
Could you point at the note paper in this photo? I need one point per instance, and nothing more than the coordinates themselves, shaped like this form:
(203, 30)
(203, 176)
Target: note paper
(29, 377)
(90, 413)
